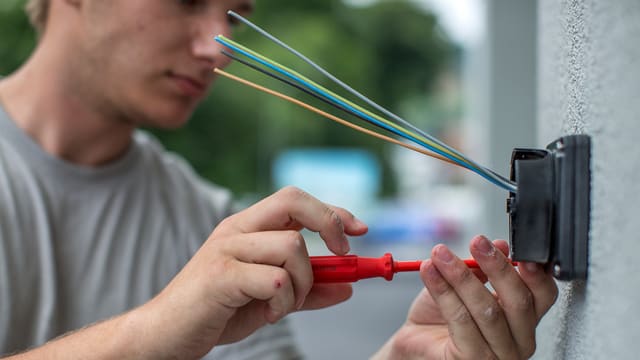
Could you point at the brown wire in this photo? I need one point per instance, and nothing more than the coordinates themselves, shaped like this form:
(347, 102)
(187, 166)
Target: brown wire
(333, 117)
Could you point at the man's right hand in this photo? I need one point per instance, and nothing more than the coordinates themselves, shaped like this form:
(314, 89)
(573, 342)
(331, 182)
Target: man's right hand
(254, 269)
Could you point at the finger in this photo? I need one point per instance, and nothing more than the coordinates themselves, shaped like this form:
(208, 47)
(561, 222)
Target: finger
(262, 282)
(503, 246)
(541, 284)
(464, 332)
(324, 295)
(516, 299)
(483, 307)
(285, 249)
(292, 209)
(352, 225)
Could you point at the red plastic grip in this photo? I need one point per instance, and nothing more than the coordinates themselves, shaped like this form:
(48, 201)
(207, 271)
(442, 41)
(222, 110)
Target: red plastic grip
(350, 268)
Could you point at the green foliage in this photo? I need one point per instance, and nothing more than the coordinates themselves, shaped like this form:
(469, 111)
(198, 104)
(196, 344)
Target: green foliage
(17, 38)
(390, 51)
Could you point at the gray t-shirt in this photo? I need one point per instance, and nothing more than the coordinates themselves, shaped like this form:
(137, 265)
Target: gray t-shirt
(80, 244)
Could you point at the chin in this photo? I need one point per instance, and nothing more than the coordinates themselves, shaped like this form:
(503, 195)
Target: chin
(169, 123)
(167, 118)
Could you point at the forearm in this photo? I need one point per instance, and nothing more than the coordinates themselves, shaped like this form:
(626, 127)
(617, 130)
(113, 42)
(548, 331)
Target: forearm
(121, 337)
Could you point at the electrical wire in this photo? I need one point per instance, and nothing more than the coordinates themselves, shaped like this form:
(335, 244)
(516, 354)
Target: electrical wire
(370, 117)
(427, 142)
(504, 182)
(330, 116)
(311, 93)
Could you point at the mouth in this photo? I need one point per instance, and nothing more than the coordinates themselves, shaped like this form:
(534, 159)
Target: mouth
(188, 85)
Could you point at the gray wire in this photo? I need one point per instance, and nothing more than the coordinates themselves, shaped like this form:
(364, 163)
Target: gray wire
(264, 33)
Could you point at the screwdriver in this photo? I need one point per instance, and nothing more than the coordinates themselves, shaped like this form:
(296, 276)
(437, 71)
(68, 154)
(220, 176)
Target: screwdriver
(351, 268)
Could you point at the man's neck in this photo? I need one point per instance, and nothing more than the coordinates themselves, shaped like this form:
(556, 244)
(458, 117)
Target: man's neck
(38, 99)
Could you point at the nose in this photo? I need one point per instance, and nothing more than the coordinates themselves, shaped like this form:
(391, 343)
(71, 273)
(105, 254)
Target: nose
(204, 47)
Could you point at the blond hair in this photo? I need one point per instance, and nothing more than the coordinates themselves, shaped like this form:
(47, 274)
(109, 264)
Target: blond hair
(37, 11)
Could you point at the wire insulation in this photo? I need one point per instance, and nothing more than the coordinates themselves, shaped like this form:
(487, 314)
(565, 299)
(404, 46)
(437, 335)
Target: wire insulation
(509, 184)
(330, 116)
(292, 78)
(307, 91)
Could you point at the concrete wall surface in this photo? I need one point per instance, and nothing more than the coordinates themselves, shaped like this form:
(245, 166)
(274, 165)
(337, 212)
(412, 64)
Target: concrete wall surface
(589, 82)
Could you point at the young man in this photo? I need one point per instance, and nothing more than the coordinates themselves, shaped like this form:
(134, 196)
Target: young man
(98, 222)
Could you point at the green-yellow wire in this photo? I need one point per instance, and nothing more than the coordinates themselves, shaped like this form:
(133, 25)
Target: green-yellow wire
(373, 115)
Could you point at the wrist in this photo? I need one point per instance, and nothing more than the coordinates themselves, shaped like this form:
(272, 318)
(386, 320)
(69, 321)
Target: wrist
(134, 335)
(161, 329)
(146, 333)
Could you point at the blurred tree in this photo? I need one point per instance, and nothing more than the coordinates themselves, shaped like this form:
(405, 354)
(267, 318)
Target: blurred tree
(391, 51)
(17, 38)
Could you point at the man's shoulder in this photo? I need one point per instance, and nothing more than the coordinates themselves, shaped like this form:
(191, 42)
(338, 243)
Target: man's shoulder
(178, 175)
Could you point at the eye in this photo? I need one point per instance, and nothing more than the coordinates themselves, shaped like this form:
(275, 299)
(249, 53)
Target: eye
(189, 3)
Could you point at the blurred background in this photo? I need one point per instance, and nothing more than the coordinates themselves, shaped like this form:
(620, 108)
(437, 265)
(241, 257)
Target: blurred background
(463, 71)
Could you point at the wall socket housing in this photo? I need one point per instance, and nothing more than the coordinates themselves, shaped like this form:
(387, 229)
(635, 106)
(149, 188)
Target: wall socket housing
(549, 215)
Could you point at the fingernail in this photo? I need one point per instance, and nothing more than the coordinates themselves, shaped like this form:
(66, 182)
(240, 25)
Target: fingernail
(485, 246)
(531, 267)
(444, 254)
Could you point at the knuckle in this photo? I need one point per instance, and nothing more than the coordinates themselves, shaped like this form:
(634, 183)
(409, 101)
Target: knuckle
(293, 240)
(226, 294)
(332, 217)
(492, 314)
(293, 192)
(463, 275)
(523, 302)
(225, 267)
(224, 224)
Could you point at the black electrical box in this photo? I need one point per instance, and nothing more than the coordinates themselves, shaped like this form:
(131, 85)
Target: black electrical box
(549, 213)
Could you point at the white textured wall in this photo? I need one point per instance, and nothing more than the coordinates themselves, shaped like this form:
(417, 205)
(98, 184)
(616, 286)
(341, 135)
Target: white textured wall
(589, 82)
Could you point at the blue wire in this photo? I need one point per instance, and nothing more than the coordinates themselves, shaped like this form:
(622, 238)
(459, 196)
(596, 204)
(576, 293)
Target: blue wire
(393, 116)
(366, 116)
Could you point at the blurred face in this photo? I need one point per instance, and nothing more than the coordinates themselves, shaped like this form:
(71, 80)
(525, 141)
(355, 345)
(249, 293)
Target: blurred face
(149, 62)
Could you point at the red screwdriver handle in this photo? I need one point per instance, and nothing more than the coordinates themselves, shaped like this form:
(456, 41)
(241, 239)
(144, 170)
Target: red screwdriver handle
(350, 268)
